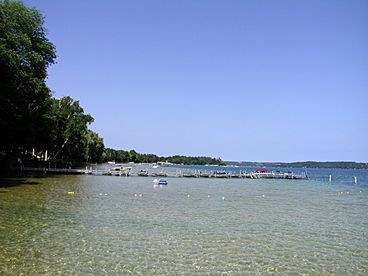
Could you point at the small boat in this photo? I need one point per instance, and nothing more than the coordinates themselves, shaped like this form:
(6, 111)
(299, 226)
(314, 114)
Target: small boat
(120, 171)
(163, 164)
(262, 174)
(204, 174)
(222, 174)
(189, 175)
(142, 173)
(161, 174)
(291, 175)
(162, 182)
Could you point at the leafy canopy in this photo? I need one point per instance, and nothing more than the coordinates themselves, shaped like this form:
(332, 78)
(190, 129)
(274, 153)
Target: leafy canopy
(25, 54)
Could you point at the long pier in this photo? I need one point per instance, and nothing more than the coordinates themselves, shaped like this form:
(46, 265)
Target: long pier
(147, 170)
(52, 170)
(128, 171)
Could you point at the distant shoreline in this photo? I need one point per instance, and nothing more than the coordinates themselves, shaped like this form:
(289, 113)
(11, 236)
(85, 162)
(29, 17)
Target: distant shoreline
(306, 164)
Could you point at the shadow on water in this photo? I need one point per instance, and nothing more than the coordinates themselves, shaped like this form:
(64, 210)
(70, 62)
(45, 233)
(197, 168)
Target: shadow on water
(8, 182)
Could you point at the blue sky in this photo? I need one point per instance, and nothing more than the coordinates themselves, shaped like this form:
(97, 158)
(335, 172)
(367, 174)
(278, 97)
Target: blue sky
(241, 80)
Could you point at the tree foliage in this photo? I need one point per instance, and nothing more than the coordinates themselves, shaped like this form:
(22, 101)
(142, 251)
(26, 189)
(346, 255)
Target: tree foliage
(95, 147)
(70, 138)
(197, 160)
(133, 156)
(30, 119)
(25, 54)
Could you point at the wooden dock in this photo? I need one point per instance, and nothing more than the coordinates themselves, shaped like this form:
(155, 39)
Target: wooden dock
(161, 173)
(54, 170)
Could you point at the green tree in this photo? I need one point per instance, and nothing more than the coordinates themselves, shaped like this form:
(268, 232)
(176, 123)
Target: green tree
(134, 156)
(123, 156)
(95, 147)
(70, 139)
(25, 54)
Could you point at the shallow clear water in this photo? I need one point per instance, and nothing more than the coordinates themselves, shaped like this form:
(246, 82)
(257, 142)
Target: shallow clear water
(121, 225)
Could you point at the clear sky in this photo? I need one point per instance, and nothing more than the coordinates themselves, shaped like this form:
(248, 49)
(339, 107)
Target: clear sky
(242, 80)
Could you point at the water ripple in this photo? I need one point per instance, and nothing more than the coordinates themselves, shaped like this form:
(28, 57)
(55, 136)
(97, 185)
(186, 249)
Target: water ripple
(114, 225)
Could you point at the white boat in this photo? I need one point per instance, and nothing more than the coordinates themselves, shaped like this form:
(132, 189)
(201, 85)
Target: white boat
(120, 171)
(290, 175)
(204, 174)
(263, 173)
(142, 173)
(222, 174)
(164, 164)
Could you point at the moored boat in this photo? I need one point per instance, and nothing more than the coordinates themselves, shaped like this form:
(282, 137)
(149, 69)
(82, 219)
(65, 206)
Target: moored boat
(221, 174)
(142, 173)
(187, 174)
(163, 164)
(120, 171)
(263, 173)
(204, 174)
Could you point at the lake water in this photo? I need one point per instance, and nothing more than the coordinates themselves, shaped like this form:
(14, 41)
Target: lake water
(123, 225)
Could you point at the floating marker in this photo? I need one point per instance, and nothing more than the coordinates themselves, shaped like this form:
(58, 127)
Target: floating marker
(71, 193)
(223, 198)
(188, 195)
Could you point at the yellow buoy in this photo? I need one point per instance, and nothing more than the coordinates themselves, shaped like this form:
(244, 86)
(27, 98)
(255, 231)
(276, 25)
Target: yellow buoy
(71, 193)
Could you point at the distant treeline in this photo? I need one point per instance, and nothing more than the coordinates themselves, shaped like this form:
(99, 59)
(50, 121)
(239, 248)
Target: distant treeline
(122, 156)
(306, 164)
